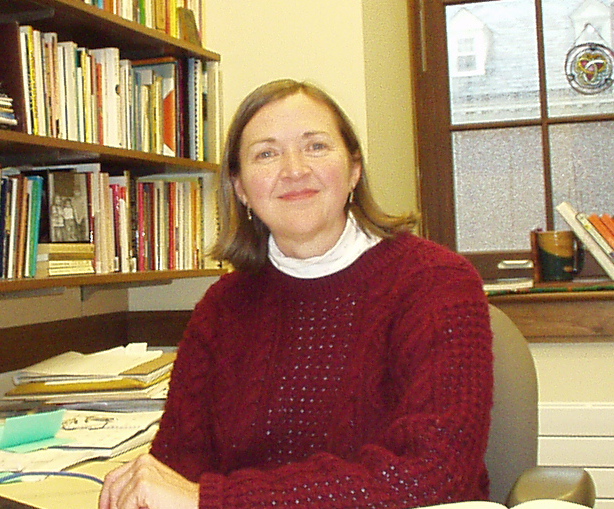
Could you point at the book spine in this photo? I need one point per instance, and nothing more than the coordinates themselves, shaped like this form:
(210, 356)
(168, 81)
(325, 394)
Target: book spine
(27, 48)
(593, 232)
(608, 222)
(39, 83)
(601, 227)
(35, 218)
(569, 214)
(14, 225)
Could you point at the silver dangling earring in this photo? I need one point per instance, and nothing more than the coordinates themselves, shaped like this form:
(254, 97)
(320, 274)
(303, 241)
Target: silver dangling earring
(351, 198)
(249, 212)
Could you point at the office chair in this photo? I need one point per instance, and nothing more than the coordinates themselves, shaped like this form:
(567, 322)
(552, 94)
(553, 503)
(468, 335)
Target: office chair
(511, 456)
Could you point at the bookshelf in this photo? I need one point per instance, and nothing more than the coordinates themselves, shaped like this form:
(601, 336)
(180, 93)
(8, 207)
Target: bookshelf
(92, 27)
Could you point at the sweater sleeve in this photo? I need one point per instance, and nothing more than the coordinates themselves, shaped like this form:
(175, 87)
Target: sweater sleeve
(184, 440)
(431, 447)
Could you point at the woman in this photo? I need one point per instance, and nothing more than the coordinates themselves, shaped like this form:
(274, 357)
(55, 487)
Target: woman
(345, 363)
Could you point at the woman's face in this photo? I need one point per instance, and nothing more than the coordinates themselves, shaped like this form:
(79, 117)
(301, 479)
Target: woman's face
(296, 174)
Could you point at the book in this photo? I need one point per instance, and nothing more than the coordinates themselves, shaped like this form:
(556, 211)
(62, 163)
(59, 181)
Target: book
(508, 285)
(95, 386)
(34, 219)
(195, 127)
(569, 214)
(584, 220)
(107, 61)
(167, 68)
(541, 503)
(66, 251)
(68, 206)
(599, 223)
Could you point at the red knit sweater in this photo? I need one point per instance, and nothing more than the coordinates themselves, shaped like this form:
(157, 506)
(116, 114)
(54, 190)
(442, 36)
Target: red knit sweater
(371, 387)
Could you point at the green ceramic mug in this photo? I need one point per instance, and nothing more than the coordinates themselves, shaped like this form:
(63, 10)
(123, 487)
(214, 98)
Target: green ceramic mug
(560, 255)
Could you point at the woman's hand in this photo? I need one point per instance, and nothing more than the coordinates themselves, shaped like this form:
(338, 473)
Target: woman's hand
(147, 483)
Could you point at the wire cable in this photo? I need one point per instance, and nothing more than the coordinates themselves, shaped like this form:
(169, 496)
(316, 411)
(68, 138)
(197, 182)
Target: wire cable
(16, 475)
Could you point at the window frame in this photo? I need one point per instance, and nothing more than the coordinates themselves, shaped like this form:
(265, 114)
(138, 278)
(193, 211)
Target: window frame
(434, 130)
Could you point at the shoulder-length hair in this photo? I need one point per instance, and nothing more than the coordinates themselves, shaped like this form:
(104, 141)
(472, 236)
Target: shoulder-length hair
(243, 240)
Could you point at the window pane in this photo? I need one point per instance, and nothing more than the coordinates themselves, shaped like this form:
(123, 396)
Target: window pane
(570, 24)
(492, 56)
(499, 189)
(582, 156)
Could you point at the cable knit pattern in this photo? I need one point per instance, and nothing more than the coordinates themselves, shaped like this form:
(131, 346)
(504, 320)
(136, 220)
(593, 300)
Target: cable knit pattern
(371, 387)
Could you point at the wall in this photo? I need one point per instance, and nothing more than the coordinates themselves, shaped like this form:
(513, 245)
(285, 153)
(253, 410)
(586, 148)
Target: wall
(357, 51)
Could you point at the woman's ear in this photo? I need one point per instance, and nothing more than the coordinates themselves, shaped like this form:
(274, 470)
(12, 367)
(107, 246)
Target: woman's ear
(356, 171)
(240, 192)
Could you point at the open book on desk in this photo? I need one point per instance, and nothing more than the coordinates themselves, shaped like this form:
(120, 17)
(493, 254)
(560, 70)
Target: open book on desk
(530, 504)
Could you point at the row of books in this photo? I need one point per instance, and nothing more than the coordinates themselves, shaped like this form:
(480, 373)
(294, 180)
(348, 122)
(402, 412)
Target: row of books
(596, 231)
(161, 105)
(162, 15)
(79, 219)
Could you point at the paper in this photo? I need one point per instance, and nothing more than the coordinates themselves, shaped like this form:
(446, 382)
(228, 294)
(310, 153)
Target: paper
(26, 433)
(105, 364)
(89, 435)
(103, 430)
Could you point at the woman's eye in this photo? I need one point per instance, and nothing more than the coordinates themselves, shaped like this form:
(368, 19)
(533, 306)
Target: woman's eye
(265, 154)
(318, 146)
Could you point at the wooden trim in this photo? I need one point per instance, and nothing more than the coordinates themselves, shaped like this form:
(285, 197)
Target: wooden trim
(564, 321)
(113, 278)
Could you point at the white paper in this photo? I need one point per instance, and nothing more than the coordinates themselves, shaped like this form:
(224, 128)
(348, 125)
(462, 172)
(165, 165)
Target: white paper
(107, 363)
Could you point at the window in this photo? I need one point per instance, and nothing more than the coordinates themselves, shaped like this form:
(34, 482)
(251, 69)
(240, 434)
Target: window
(508, 127)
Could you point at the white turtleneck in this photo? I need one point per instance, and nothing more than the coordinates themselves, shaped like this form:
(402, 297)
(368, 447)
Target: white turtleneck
(352, 243)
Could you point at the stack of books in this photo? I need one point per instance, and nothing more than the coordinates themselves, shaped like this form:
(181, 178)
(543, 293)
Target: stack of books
(121, 373)
(596, 231)
(64, 259)
(7, 114)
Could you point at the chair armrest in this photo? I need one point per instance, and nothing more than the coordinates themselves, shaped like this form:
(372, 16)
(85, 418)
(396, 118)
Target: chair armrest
(562, 483)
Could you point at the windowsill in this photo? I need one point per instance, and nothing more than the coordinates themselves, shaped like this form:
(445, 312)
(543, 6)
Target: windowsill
(579, 289)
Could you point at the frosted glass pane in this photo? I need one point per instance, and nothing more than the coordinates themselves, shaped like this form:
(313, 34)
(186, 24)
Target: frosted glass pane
(567, 24)
(498, 186)
(582, 159)
(492, 61)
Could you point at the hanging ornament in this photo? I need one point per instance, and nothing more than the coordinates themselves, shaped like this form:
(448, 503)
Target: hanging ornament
(589, 65)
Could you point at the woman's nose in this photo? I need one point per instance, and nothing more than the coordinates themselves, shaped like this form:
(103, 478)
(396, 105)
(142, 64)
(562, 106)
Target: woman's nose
(294, 164)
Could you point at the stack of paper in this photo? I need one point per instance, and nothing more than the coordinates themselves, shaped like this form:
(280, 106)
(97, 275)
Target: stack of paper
(120, 373)
(76, 436)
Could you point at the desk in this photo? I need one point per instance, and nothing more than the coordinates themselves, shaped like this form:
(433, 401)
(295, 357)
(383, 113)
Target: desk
(67, 492)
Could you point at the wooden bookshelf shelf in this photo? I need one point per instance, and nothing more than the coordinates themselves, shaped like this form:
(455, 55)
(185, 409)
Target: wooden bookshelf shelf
(95, 28)
(19, 148)
(115, 278)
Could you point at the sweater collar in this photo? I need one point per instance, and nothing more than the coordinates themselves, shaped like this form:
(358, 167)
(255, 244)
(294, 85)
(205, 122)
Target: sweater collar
(352, 243)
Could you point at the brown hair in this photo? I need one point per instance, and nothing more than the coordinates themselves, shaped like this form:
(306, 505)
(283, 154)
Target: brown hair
(243, 241)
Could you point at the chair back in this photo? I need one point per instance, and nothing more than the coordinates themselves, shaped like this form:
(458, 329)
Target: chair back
(512, 446)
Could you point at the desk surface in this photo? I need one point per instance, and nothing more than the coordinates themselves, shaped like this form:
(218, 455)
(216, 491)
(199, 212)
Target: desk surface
(67, 492)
